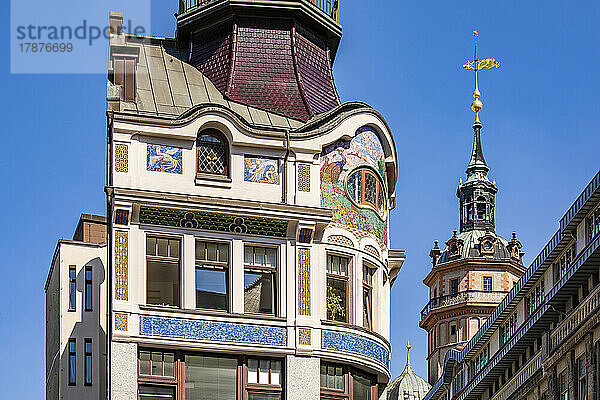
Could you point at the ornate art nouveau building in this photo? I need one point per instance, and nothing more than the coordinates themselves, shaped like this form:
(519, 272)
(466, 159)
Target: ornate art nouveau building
(248, 213)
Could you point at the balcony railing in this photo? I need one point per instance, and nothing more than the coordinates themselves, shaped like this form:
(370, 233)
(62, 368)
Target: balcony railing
(522, 376)
(331, 8)
(473, 296)
(571, 323)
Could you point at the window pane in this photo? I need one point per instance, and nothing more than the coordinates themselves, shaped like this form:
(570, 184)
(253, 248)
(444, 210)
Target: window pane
(210, 378)
(150, 246)
(275, 372)
(212, 251)
(258, 293)
(263, 371)
(371, 189)
(271, 258)
(88, 347)
(339, 378)
(211, 155)
(72, 298)
(263, 396)
(88, 296)
(88, 274)
(252, 371)
(259, 256)
(88, 369)
(200, 251)
(211, 289)
(336, 300)
(343, 266)
(361, 387)
(248, 255)
(323, 375)
(381, 198)
(163, 283)
(169, 364)
(224, 252)
(174, 248)
(72, 346)
(156, 360)
(148, 392)
(144, 363)
(163, 247)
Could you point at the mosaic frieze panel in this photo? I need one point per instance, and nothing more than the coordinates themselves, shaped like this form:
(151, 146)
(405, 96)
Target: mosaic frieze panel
(372, 250)
(212, 221)
(337, 161)
(261, 170)
(121, 265)
(164, 159)
(304, 336)
(304, 177)
(304, 281)
(352, 343)
(341, 240)
(121, 158)
(212, 331)
(121, 322)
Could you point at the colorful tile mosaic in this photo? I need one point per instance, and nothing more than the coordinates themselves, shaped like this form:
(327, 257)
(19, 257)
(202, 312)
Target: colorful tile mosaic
(261, 170)
(341, 240)
(352, 343)
(122, 217)
(121, 265)
(121, 322)
(212, 221)
(164, 159)
(304, 336)
(304, 177)
(121, 158)
(337, 161)
(304, 281)
(212, 331)
(372, 250)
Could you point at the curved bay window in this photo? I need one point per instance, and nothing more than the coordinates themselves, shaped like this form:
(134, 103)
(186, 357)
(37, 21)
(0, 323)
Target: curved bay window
(341, 382)
(212, 153)
(365, 188)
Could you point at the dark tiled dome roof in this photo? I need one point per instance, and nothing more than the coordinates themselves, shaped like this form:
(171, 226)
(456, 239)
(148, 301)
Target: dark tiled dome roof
(408, 386)
(471, 247)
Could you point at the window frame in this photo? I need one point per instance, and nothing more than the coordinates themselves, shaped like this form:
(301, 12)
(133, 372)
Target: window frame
(367, 288)
(347, 391)
(563, 385)
(345, 279)
(226, 152)
(582, 378)
(165, 259)
(89, 288)
(270, 388)
(380, 190)
(72, 360)
(88, 356)
(208, 265)
(72, 288)
(452, 282)
(485, 280)
(263, 269)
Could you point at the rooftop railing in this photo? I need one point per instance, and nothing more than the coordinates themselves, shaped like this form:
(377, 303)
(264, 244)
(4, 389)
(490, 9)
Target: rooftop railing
(522, 376)
(475, 296)
(331, 8)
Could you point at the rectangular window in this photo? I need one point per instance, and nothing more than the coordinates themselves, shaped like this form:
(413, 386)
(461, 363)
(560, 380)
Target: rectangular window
(564, 386)
(563, 261)
(337, 288)
(487, 283)
(212, 266)
(452, 330)
(332, 376)
(260, 273)
(454, 286)
(88, 361)
(88, 288)
(368, 297)
(509, 328)
(72, 362)
(163, 275)
(582, 381)
(592, 224)
(210, 378)
(535, 298)
(338, 382)
(263, 379)
(156, 363)
(72, 288)
(362, 386)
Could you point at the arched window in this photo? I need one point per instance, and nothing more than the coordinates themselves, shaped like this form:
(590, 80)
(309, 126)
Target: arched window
(469, 209)
(481, 214)
(212, 153)
(365, 188)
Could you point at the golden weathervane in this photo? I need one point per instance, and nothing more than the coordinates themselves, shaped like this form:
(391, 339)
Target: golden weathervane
(477, 65)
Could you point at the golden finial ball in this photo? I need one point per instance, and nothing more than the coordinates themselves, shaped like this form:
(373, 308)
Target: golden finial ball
(476, 105)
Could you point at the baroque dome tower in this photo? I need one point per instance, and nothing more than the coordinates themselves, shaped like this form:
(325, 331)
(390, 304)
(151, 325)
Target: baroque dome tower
(473, 273)
(408, 386)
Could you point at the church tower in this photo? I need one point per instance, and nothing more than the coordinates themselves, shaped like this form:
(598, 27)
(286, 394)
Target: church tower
(476, 269)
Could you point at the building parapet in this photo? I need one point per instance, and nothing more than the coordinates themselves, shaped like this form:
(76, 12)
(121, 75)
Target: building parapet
(467, 296)
(526, 372)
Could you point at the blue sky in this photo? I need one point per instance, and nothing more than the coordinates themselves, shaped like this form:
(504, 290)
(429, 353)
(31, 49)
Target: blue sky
(404, 58)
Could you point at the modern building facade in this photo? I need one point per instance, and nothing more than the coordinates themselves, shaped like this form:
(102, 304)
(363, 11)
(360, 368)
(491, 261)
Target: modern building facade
(247, 221)
(543, 340)
(76, 314)
(475, 270)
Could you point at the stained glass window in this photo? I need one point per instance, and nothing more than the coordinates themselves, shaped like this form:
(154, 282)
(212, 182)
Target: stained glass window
(212, 153)
(365, 188)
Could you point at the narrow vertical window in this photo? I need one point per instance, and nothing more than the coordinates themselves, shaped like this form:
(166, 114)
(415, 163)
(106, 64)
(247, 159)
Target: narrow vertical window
(454, 286)
(72, 289)
(88, 361)
(337, 288)
(212, 266)
(88, 288)
(162, 268)
(487, 283)
(368, 297)
(564, 386)
(260, 268)
(582, 381)
(72, 362)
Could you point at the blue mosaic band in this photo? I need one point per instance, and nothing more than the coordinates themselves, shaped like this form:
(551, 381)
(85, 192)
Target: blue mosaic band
(351, 343)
